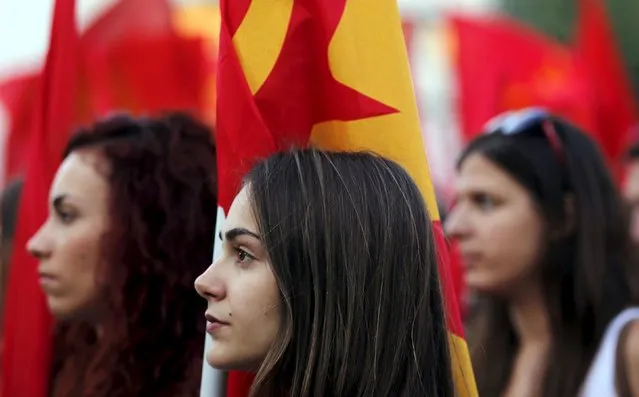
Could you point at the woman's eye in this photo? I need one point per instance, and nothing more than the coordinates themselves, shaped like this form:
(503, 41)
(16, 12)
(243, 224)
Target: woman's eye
(243, 256)
(66, 216)
(485, 201)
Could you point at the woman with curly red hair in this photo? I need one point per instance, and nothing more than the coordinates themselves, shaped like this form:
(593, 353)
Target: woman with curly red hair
(131, 217)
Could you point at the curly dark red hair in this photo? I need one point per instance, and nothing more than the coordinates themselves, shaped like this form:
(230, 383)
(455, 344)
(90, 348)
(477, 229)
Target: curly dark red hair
(161, 173)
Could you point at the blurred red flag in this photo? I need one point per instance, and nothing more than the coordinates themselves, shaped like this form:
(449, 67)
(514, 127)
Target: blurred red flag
(146, 75)
(146, 68)
(134, 59)
(126, 19)
(19, 96)
(616, 112)
(27, 325)
(130, 59)
(504, 65)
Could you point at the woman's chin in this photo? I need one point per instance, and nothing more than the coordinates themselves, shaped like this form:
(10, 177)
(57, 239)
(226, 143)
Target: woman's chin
(220, 361)
(226, 362)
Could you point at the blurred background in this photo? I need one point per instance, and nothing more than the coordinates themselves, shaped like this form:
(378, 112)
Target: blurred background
(502, 53)
(470, 60)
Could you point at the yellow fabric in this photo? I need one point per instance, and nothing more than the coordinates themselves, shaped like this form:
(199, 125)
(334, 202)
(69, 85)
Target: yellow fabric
(379, 70)
(256, 49)
(202, 20)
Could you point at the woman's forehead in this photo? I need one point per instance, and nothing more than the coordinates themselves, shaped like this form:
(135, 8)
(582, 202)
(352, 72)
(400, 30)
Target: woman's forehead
(78, 179)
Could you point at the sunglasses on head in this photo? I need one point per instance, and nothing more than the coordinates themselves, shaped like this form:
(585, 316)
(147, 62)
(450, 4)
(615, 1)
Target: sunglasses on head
(521, 121)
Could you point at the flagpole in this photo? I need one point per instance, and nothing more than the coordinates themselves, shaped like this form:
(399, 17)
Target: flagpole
(213, 382)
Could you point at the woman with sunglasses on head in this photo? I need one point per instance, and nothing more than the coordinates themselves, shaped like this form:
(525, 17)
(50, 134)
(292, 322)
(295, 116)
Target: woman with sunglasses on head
(327, 284)
(131, 215)
(545, 242)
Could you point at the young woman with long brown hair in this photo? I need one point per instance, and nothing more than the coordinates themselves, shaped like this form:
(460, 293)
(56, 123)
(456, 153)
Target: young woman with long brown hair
(544, 238)
(327, 284)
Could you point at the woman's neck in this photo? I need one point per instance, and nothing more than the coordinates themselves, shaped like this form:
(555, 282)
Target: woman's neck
(530, 318)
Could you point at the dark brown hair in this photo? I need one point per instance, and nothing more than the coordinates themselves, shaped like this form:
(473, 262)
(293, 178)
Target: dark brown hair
(632, 153)
(351, 245)
(586, 274)
(9, 202)
(161, 173)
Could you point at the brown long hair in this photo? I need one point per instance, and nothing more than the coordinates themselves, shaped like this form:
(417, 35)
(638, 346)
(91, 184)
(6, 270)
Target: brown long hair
(350, 243)
(587, 276)
(161, 173)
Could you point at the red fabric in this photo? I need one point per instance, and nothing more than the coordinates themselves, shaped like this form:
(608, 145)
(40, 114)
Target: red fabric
(19, 95)
(146, 75)
(110, 68)
(478, 74)
(145, 69)
(126, 19)
(450, 275)
(457, 275)
(242, 136)
(239, 384)
(299, 92)
(616, 111)
(27, 325)
(504, 65)
(134, 60)
(130, 59)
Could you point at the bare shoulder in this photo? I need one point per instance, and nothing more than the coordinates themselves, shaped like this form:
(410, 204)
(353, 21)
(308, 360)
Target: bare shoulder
(630, 349)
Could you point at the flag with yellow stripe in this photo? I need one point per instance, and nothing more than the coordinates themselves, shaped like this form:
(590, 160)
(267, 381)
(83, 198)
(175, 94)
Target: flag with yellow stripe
(333, 74)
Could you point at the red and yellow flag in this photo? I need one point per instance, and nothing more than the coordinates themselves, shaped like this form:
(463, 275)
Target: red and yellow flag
(329, 73)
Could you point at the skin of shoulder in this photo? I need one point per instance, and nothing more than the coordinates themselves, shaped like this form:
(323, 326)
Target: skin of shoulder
(631, 357)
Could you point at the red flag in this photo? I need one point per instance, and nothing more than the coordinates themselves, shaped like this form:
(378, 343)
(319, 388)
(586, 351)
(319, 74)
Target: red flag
(134, 59)
(478, 74)
(504, 65)
(141, 67)
(19, 96)
(147, 75)
(130, 18)
(145, 68)
(27, 325)
(616, 111)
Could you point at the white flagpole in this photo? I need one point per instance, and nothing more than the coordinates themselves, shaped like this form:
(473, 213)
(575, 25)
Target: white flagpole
(213, 382)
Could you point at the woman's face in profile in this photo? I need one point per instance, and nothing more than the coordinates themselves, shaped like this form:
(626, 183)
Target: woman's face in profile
(68, 244)
(244, 314)
(497, 226)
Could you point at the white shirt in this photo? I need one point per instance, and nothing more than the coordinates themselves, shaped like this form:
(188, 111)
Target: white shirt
(600, 380)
